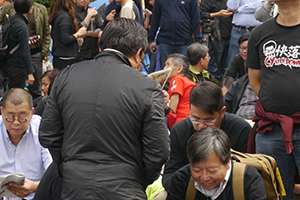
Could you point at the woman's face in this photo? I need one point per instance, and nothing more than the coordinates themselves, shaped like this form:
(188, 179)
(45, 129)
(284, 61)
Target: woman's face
(45, 85)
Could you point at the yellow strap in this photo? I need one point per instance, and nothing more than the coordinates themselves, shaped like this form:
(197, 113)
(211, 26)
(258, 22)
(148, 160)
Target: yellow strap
(191, 190)
(238, 180)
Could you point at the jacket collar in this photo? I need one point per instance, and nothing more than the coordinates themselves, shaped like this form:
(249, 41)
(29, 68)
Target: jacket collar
(114, 52)
(193, 70)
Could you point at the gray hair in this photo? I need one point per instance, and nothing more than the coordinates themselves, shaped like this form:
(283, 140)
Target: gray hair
(206, 141)
(180, 59)
(195, 52)
(17, 96)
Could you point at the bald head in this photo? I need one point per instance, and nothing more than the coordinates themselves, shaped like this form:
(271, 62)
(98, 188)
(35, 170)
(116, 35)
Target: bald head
(17, 96)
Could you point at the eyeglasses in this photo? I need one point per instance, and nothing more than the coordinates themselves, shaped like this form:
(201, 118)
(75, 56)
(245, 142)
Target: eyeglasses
(208, 122)
(208, 57)
(20, 119)
(243, 48)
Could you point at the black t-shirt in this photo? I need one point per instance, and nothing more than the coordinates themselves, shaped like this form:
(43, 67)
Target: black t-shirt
(275, 50)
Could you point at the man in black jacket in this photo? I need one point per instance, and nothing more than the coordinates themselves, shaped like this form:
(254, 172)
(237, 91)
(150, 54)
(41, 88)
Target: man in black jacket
(207, 110)
(213, 172)
(104, 123)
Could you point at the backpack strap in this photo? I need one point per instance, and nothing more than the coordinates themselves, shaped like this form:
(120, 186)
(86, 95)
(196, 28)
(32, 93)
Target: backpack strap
(191, 190)
(238, 180)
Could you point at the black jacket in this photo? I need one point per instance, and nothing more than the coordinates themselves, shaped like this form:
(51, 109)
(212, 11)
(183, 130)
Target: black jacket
(19, 35)
(234, 126)
(253, 186)
(235, 94)
(105, 127)
(64, 43)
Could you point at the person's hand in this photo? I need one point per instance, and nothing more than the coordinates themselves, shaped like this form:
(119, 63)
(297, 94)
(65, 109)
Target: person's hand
(225, 13)
(153, 47)
(23, 190)
(99, 34)
(31, 79)
(33, 40)
(81, 32)
(147, 13)
(166, 99)
(233, 11)
(111, 15)
(92, 12)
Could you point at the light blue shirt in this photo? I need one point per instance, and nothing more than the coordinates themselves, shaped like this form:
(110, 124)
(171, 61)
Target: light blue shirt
(29, 157)
(246, 10)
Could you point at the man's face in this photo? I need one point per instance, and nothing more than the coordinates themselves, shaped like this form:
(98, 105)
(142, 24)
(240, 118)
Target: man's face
(204, 119)
(16, 129)
(209, 173)
(205, 61)
(243, 49)
(83, 3)
(169, 64)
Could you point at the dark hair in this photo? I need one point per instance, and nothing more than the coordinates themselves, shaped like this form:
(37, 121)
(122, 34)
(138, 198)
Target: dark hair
(65, 5)
(23, 6)
(244, 38)
(207, 96)
(206, 141)
(195, 52)
(180, 59)
(124, 35)
(226, 82)
(51, 74)
(17, 96)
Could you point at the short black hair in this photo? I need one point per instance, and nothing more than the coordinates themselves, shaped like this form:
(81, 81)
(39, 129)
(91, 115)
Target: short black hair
(180, 59)
(23, 6)
(207, 96)
(124, 35)
(195, 52)
(17, 96)
(243, 38)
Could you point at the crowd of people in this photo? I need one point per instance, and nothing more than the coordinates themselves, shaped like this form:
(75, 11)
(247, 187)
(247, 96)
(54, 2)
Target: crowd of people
(96, 127)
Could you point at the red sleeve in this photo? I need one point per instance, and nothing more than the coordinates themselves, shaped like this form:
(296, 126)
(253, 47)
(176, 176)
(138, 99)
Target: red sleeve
(176, 86)
(171, 118)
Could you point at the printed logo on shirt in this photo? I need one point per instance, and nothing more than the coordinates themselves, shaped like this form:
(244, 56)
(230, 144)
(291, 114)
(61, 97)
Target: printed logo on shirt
(277, 55)
(174, 86)
(182, 2)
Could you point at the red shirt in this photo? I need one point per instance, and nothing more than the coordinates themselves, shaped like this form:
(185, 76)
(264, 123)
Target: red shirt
(182, 86)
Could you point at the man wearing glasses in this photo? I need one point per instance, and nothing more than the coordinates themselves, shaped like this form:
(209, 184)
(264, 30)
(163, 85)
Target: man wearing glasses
(19, 145)
(207, 110)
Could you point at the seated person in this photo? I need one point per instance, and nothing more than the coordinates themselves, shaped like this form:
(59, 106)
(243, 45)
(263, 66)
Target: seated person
(207, 110)
(19, 143)
(198, 57)
(226, 83)
(179, 89)
(238, 64)
(241, 99)
(47, 78)
(208, 152)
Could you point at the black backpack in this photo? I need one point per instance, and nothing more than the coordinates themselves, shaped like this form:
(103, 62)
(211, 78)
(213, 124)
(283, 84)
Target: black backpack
(4, 34)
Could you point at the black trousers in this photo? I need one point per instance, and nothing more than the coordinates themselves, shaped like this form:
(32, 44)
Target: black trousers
(37, 62)
(61, 63)
(16, 75)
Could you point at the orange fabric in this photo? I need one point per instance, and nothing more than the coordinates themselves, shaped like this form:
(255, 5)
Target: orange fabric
(182, 86)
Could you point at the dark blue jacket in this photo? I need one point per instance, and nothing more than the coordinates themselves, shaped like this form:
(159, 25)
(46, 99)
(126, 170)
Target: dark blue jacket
(176, 19)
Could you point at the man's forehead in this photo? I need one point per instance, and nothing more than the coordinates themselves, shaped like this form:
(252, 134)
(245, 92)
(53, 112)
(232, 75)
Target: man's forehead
(20, 108)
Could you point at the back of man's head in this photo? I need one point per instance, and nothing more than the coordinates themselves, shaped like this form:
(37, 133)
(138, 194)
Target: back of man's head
(124, 35)
(23, 6)
(195, 52)
(206, 141)
(207, 96)
(180, 59)
(17, 96)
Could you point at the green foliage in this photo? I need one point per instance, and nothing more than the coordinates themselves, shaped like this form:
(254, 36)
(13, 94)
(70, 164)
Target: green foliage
(46, 3)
